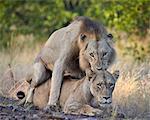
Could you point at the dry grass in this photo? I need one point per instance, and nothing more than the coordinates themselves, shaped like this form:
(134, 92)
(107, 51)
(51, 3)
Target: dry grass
(132, 91)
(20, 55)
(22, 50)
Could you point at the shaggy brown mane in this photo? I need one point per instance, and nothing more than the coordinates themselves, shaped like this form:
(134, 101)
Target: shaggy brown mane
(91, 26)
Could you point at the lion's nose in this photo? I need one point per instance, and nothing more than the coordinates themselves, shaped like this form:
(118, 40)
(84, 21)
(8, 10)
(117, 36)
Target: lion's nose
(106, 98)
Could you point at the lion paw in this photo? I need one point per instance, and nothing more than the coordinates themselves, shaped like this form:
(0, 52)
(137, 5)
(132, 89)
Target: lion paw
(52, 108)
(47, 109)
(97, 112)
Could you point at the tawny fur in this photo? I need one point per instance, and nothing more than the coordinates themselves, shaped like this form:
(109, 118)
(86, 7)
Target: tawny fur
(77, 96)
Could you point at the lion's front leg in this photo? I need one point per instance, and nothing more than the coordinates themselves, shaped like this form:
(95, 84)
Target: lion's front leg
(77, 109)
(88, 110)
(56, 82)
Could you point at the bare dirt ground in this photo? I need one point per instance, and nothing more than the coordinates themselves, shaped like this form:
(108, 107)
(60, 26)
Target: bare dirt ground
(10, 111)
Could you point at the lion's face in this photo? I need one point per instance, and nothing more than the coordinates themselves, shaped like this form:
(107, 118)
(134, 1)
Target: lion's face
(102, 85)
(97, 55)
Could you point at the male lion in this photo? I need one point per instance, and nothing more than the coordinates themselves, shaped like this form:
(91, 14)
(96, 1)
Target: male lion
(97, 55)
(61, 55)
(89, 96)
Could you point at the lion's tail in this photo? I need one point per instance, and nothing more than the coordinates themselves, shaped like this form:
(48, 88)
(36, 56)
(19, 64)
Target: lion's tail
(20, 94)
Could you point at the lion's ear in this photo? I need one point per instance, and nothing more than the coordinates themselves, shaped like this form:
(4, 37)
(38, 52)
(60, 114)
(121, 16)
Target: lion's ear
(116, 74)
(110, 36)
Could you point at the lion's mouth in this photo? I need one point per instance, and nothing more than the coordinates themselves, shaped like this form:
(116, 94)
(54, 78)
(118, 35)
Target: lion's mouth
(104, 104)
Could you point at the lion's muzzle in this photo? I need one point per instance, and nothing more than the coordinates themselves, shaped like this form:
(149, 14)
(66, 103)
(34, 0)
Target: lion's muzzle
(105, 102)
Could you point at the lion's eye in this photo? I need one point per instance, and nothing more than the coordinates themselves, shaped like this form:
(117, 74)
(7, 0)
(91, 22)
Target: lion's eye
(91, 54)
(83, 37)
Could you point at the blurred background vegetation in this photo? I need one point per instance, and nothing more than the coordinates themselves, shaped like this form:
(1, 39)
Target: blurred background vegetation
(35, 20)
